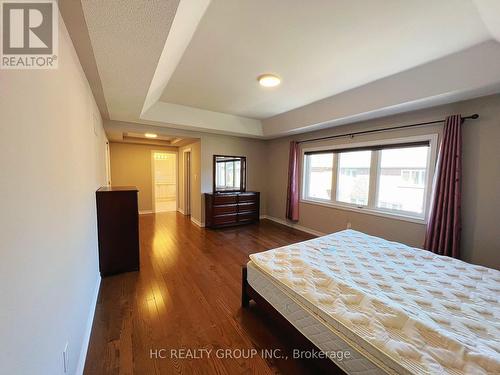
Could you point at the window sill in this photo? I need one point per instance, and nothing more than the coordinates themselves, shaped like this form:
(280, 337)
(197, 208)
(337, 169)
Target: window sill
(366, 210)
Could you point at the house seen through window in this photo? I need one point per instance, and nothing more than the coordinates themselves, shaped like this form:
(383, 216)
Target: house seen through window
(388, 178)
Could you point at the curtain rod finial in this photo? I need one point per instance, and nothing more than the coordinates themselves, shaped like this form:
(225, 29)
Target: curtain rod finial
(474, 116)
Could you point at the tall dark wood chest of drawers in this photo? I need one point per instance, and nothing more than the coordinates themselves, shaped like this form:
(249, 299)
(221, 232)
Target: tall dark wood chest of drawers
(118, 227)
(226, 209)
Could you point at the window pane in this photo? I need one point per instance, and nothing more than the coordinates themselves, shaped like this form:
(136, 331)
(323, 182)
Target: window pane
(319, 183)
(354, 177)
(403, 173)
(221, 175)
(228, 175)
(237, 174)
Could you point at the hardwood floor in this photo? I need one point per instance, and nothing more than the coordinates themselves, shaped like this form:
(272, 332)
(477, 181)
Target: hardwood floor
(187, 295)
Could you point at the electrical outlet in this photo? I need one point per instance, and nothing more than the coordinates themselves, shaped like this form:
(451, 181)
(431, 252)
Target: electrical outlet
(66, 358)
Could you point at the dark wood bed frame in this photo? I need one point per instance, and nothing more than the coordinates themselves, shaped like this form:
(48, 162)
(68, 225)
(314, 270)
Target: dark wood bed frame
(294, 336)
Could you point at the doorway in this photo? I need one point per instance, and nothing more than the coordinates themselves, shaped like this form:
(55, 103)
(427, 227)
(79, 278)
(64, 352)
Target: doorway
(164, 170)
(187, 181)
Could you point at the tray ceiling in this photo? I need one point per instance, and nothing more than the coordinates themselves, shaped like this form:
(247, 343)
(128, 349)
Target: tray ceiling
(193, 64)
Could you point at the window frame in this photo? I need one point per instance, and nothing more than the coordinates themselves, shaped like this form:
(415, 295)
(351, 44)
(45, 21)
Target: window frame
(373, 189)
(305, 186)
(227, 173)
(243, 173)
(337, 172)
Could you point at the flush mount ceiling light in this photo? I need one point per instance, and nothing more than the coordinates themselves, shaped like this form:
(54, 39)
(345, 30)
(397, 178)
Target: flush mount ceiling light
(150, 135)
(269, 80)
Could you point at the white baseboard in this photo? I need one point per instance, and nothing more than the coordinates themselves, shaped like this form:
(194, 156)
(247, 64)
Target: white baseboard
(197, 222)
(88, 330)
(293, 225)
(181, 211)
(144, 212)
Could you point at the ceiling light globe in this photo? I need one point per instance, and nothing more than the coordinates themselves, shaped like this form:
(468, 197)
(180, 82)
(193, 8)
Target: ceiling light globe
(269, 80)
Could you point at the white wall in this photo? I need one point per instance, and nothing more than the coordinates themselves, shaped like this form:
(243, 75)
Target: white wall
(51, 163)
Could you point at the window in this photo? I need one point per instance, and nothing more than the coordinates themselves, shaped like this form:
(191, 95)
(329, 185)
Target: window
(228, 174)
(319, 183)
(387, 178)
(401, 180)
(353, 177)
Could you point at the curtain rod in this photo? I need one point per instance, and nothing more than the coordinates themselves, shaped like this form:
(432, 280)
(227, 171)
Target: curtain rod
(471, 117)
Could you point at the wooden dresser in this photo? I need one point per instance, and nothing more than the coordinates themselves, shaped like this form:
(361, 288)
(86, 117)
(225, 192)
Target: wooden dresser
(226, 209)
(118, 227)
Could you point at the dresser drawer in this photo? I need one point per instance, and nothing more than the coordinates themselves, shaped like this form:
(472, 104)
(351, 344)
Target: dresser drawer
(247, 216)
(247, 206)
(225, 209)
(225, 219)
(228, 209)
(247, 197)
(224, 199)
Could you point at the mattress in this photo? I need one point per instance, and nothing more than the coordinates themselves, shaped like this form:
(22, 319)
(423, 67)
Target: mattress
(316, 329)
(404, 309)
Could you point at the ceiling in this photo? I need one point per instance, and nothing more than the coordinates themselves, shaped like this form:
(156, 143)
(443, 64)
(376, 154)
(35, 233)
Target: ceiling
(192, 64)
(319, 48)
(138, 137)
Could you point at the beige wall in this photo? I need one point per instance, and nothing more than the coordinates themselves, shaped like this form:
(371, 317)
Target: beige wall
(481, 181)
(267, 163)
(131, 166)
(51, 163)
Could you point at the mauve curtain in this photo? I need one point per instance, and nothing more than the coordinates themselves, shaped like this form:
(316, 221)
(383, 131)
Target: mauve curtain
(444, 226)
(292, 199)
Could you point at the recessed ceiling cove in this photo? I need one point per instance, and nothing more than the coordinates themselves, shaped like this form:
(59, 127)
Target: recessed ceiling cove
(193, 64)
(319, 48)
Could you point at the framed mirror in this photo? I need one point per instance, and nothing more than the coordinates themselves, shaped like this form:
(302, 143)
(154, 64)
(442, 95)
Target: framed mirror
(229, 173)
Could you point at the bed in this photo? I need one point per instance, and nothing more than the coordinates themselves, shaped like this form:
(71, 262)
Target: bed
(395, 309)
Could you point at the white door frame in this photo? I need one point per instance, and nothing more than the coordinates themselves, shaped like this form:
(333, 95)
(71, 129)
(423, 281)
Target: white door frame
(107, 154)
(186, 181)
(153, 180)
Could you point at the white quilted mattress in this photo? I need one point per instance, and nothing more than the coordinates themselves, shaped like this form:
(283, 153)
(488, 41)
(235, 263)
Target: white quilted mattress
(410, 308)
(317, 330)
